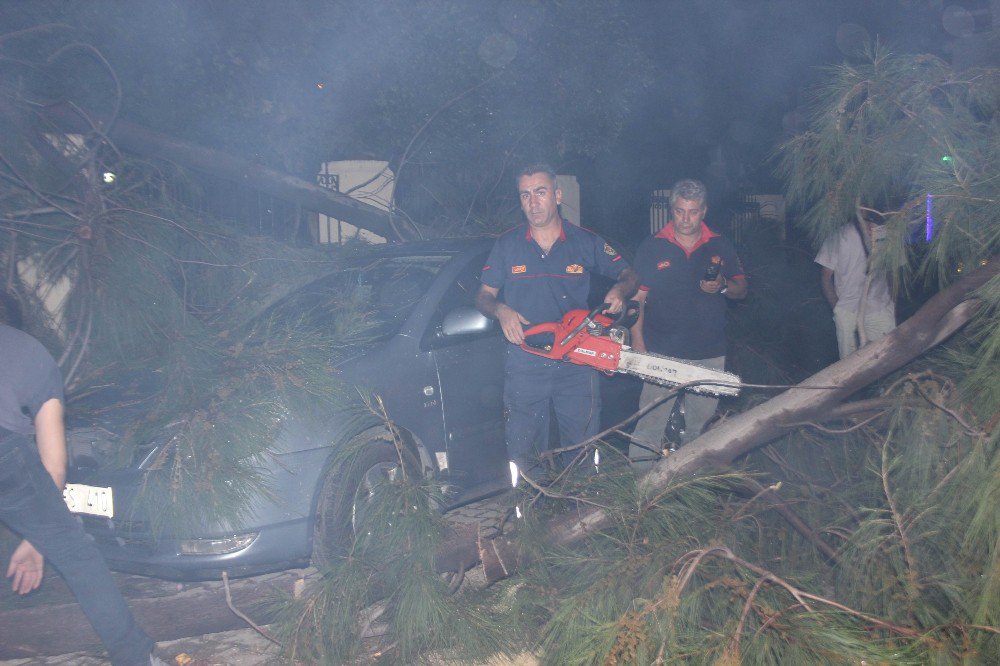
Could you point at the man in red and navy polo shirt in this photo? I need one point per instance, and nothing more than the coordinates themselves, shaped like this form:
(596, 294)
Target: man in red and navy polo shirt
(683, 315)
(536, 273)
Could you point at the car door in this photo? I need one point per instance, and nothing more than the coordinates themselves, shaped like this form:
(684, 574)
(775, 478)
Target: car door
(470, 372)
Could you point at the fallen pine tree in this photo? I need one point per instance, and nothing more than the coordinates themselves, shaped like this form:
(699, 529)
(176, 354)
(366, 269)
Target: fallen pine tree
(819, 395)
(819, 399)
(626, 568)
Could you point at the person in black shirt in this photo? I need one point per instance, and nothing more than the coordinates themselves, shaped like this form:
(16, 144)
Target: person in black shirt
(683, 310)
(31, 502)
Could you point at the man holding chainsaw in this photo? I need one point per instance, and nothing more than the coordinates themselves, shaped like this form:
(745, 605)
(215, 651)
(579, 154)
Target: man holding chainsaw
(543, 268)
(686, 272)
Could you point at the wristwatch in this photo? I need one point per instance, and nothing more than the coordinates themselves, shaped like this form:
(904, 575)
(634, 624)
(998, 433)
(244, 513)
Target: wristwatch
(725, 286)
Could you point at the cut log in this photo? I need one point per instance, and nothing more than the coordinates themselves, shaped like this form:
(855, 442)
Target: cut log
(135, 139)
(943, 315)
(63, 628)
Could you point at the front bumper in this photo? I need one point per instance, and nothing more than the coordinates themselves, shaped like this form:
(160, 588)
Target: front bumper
(129, 547)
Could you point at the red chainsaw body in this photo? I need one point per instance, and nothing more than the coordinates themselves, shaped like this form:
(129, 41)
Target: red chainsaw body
(589, 346)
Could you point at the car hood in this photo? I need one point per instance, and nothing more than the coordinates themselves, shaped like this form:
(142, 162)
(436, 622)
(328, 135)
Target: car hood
(98, 416)
(101, 415)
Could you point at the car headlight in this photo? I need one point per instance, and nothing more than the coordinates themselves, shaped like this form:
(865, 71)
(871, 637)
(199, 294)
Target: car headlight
(218, 545)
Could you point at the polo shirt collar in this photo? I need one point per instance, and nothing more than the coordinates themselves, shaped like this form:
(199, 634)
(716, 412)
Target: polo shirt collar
(562, 230)
(667, 233)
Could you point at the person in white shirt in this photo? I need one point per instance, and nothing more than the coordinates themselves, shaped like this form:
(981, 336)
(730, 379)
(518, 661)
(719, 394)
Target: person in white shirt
(863, 307)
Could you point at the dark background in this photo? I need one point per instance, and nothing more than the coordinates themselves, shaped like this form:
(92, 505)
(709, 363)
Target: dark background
(629, 96)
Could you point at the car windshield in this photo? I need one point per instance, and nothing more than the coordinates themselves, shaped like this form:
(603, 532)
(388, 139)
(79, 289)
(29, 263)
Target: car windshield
(367, 301)
(364, 302)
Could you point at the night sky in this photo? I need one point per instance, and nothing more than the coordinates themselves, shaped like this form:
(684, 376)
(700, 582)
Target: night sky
(708, 89)
(734, 81)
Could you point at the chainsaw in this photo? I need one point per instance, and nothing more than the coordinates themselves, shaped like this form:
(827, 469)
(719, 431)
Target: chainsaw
(596, 340)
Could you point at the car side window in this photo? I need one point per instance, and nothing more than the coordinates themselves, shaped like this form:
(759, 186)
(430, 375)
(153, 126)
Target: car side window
(461, 293)
(464, 288)
(400, 289)
(365, 302)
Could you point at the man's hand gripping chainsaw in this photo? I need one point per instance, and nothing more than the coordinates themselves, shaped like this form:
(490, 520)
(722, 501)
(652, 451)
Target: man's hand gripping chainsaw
(601, 342)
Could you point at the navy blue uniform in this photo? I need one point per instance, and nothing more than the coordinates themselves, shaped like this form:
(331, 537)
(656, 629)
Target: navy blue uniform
(542, 287)
(680, 319)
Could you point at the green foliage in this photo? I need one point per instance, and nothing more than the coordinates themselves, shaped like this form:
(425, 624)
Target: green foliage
(980, 388)
(152, 287)
(922, 554)
(159, 289)
(921, 528)
(234, 400)
(386, 582)
(910, 499)
(649, 591)
(877, 134)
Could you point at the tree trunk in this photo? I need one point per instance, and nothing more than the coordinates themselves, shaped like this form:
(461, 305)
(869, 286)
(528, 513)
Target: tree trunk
(199, 609)
(136, 139)
(811, 400)
(28, 632)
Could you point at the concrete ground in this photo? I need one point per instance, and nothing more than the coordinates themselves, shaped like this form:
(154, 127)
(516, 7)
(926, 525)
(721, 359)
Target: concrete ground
(242, 647)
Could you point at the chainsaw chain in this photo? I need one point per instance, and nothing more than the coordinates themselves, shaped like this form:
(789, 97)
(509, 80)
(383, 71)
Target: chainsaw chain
(700, 388)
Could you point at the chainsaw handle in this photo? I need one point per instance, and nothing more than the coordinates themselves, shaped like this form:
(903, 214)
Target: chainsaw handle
(579, 327)
(547, 327)
(628, 316)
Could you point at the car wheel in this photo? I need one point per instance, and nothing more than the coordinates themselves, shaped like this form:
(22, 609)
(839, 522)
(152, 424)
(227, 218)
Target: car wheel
(348, 490)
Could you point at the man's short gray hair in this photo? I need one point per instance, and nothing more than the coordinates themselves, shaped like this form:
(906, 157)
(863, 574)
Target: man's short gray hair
(692, 190)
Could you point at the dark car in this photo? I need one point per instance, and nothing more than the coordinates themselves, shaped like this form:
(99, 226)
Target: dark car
(435, 362)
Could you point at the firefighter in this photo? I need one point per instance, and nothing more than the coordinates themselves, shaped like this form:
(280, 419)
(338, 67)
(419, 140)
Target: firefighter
(537, 272)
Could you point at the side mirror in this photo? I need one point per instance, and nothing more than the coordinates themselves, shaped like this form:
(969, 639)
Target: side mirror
(465, 321)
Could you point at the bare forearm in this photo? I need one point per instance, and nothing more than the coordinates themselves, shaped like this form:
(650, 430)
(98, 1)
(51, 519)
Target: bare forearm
(638, 342)
(488, 303)
(826, 284)
(621, 291)
(628, 283)
(511, 322)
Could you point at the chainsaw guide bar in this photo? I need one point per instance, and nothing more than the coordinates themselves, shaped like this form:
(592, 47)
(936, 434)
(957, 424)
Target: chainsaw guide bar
(595, 340)
(670, 371)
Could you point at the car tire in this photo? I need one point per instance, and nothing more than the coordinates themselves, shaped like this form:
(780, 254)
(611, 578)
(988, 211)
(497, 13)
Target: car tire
(344, 490)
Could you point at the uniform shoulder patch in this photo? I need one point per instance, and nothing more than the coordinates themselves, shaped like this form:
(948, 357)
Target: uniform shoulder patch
(610, 251)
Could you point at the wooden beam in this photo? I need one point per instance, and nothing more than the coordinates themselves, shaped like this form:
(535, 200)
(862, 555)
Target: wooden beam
(200, 609)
